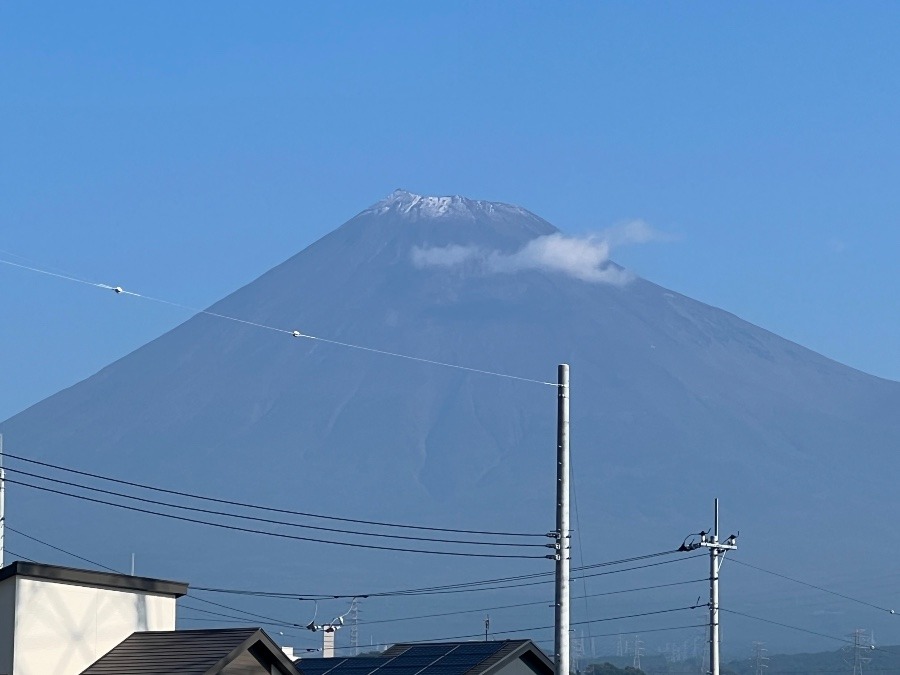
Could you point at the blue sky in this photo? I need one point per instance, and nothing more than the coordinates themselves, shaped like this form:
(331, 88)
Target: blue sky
(183, 149)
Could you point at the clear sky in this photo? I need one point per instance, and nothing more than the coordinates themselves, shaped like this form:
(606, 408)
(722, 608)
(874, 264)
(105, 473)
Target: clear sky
(182, 149)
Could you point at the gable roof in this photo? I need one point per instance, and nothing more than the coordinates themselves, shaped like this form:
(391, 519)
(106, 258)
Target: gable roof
(441, 658)
(191, 652)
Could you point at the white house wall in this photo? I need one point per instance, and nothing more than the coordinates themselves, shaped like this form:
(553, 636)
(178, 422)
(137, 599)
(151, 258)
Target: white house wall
(62, 628)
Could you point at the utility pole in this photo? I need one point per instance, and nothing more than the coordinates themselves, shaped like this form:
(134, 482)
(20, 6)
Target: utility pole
(717, 553)
(487, 626)
(2, 507)
(561, 641)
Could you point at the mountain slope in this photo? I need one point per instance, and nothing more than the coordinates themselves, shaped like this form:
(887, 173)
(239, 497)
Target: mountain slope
(673, 402)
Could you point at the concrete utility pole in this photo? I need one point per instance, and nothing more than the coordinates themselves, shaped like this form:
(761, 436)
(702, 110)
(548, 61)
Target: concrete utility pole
(561, 642)
(717, 553)
(2, 507)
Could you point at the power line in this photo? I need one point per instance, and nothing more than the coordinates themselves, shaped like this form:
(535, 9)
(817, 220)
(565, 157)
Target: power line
(574, 623)
(270, 619)
(62, 550)
(281, 535)
(269, 521)
(292, 333)
(229, 502)
(110, 569)
(797, 628)
(525, 604)
(435, 590)
(20, 556)
(523, 630)
(818, 588)
(231, 617)
(587, 607)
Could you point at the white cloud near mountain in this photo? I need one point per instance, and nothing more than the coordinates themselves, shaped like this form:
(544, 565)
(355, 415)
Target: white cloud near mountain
(583, 257)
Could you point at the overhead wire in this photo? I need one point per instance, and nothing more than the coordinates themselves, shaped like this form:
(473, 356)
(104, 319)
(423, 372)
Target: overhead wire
(110, 569)
(524, 604)
(818, 588)
(245, 615)
(587, 607)
(797, 628)
(280, 535)
(269, 521)
(272, 620)
(578, 623)
(20, 556)
(523, 630)
(292, 333)
(456, 588)
(230, 502)
(62, 550)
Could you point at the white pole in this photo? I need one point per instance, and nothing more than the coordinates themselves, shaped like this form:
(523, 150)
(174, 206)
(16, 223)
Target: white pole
(714, 597)
(561, 646)
(2, 506)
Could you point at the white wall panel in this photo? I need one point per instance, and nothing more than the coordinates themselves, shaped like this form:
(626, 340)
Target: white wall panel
(63, 628)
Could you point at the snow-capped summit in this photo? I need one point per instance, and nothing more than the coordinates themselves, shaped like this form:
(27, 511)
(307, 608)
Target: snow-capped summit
(414, 206)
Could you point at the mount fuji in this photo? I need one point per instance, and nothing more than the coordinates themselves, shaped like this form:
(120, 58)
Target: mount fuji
(673, 403)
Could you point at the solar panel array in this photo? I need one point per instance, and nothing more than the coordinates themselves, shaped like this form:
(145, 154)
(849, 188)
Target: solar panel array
(426, 659)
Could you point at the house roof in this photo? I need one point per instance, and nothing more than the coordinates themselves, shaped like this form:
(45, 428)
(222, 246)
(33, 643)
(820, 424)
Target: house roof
(444, 658)
(195, 652)
(70, 575)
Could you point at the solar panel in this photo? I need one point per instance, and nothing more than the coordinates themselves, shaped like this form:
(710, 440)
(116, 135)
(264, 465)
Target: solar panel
(478, 648)
(427, 650)
(419, 659)
(438, 669)
(451, 658)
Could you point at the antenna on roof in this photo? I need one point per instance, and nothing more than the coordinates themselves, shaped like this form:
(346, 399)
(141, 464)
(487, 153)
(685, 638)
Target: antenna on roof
(329, 629)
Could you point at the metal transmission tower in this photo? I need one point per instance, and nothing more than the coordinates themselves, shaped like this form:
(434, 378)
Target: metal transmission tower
(717, 553)
(638, 652)
(578, 656)
(861, 642)
(759, 655)
(354, 627)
